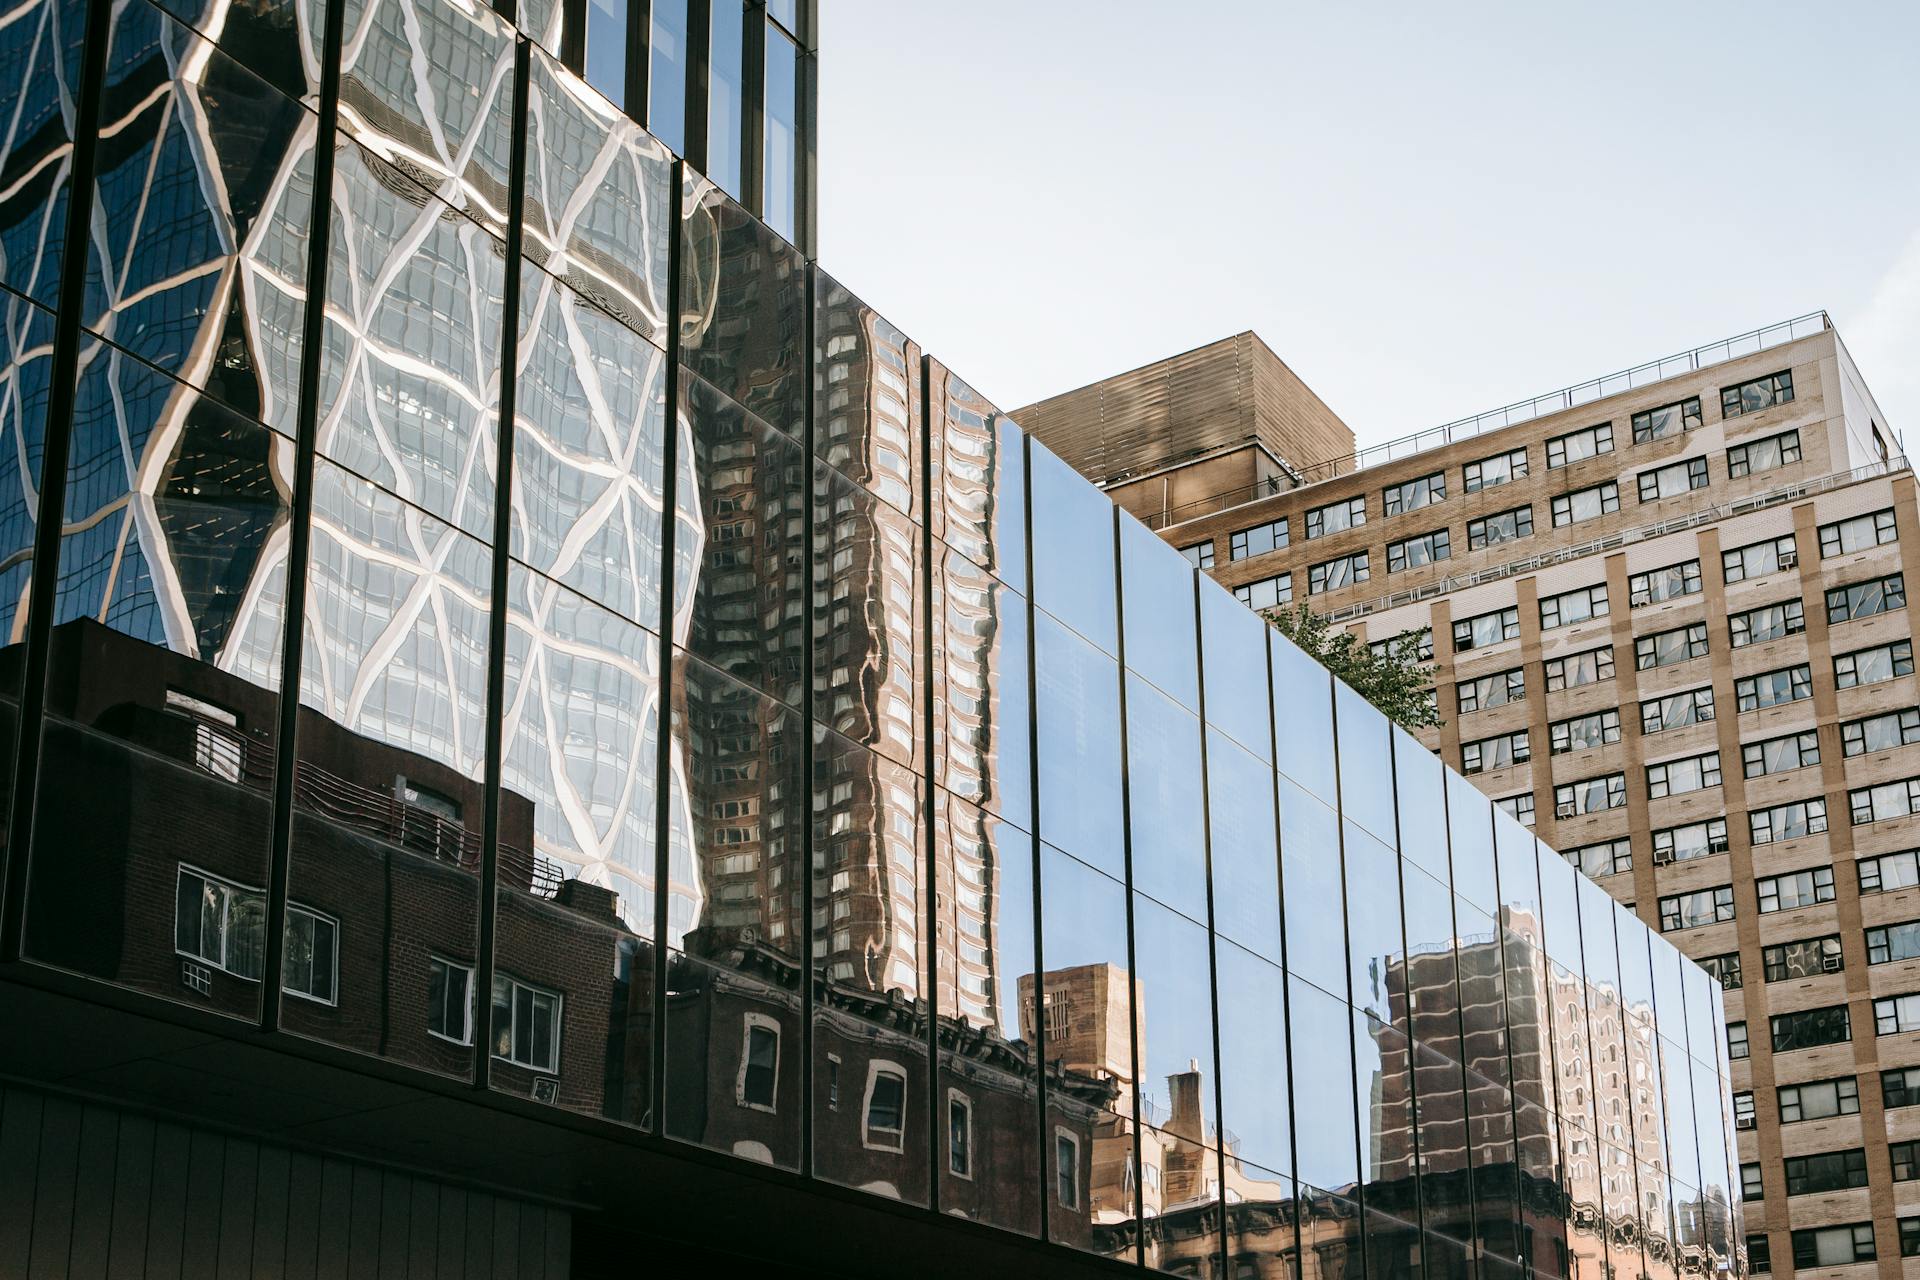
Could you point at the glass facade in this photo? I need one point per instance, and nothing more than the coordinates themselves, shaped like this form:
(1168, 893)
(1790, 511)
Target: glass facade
(587, 653)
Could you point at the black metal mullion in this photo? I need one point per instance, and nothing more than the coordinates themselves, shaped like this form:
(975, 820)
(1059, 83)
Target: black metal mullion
(300, 535)
(639, 59)
(63, 390)
(1039, 1013)
(753, 106)
(663, 729)
(699, 59)
(1213, 938)
(485, 957)
(1126, 849)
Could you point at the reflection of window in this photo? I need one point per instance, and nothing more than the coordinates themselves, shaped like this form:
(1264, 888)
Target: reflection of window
(217, 747)
(312, 954)
(526, 1024)
(1066, 1169)
(883, 1126)
(760, 1064)
(450, 1000)
(220, 923)
(959, 1134)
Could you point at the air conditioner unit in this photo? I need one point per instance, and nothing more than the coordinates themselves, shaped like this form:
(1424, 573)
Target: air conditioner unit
(1830, 964)
(1743, 1122)
(1788, 559)
(1566, 809)
(546, 1089)
(1639, 599)
(1661, 857)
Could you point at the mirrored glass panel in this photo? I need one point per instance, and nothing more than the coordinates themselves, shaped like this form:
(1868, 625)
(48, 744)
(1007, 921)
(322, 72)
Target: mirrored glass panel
(979, 478)
(1236, 669)
(1246, 870)
(982, 710)
(1366, 781)
(1376, 948)
(1420, 788)
(1310, 862)
(1073, 545)
(868, 619)
(743, 305)
(1254, 1080)
(1078, 721)
(1166, 805)
(26, 366)
(1302, 718)
(867, 397)
(1160, 637)
(40, 57)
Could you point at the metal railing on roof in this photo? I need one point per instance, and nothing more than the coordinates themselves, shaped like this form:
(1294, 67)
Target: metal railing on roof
(1612, 541)
(1744, 344)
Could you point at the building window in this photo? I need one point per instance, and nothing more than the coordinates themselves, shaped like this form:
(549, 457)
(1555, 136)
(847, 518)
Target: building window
(1909, 1237)
(1667, 648)
(450, 1000)
(1678, 777)
(1266, 593)
(1493, 471)
(1890, 942)
(1866, 599)
(1780, 755)
(1788, 822)
(1659, 585)
(759, 1062)
(1500, 752)
(1900, 1087)
(1676, 710)
(1880, 733)
(1578, 446)
(1422, 549)
(1590, 666)
(1414, 645)
(1586, 504)
(1341, 571)
(1411, 495)
(1724, 969)
(1871, 666)
(1833, 1246)
(1795, 889)
(1694, 910)
(1486, 692)
(1336, 516)
(1608, 858)
(1884, 802)
(1570, 608)
(1518, 807)
(1066, 1169)
(1672, 480)
(1757, 456)
(1769, 622)
(1580, 733)
(311, 968)
(1818, 1100)
(883, 1114)
(1773, 688)
(1590, 795)
(526, 1025)
(1890, 871)
(1690, 840)
(1844, 537)
(1258, 540)
(1751, 1187)
(1827, 1171)
(1487, 628)
(1759, 1255)
(1504, 526)
(959, 1134)
(1737, 1047)
(1761, 393)
(833, 1082)
(1757, 558)
(1667, 420)
(1810, 1028)
(1200, 554)
(1807, 958)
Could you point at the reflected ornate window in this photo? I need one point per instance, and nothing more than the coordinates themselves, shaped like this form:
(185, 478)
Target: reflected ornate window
(450, 1000)
(526, 1024)
(883, 1112)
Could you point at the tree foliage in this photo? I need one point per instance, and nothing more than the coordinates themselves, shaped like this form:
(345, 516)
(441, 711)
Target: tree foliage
(1394, 679)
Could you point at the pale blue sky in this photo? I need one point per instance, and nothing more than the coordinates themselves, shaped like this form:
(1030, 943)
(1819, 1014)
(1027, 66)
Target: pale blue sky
(1426, 210)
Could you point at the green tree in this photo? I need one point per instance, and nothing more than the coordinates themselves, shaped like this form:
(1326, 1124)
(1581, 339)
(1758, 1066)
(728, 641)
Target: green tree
(1394, 678)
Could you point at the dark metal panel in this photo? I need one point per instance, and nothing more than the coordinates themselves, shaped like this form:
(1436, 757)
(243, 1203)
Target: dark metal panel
(396, 1220)
(363, 1240)
(238, 1191)
(453, 1233)
(559, 1244)
(336, 1218)
(533, 1240)
(506, 1239)
(200, 1218)
(166, 1222)
(132, 1198)
(304, 1203)
(479, 1237)
(93, 1192)
(270, 1213)
(19, 1152)
(53, 1190)
(423, 1230)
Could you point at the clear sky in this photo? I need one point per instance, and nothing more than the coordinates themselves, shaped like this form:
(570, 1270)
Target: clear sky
(1426, 210)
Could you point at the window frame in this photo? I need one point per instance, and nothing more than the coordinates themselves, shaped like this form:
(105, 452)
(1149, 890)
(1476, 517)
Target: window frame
(1470, 482)
(1779, 391)
(1600, 436)
(1562, 504)
(876, 1068)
